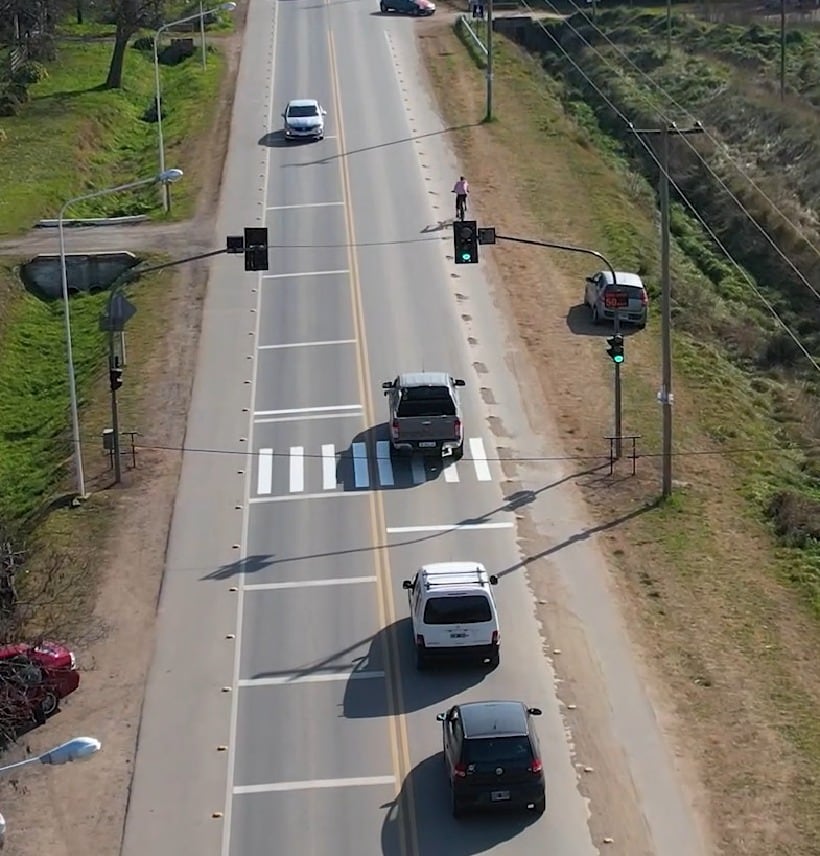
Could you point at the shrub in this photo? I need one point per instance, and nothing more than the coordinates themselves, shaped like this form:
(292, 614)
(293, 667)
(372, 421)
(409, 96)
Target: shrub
(796, 517)
(30, 72)
(143, 43)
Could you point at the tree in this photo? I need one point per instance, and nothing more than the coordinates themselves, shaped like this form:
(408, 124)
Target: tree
(130, 16)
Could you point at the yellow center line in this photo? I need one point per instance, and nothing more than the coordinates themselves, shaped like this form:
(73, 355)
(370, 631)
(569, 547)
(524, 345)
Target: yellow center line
(387, 613)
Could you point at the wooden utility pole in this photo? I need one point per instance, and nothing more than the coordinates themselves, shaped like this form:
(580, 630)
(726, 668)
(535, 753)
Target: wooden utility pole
(782, 49)
(489, 115)
(665, 395)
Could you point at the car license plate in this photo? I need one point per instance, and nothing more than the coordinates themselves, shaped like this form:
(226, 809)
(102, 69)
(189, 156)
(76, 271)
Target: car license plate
(499, 796)
(428, 444)
(458, 635)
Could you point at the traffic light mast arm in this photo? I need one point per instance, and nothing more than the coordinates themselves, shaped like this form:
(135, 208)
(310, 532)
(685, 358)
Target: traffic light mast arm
(566, 247)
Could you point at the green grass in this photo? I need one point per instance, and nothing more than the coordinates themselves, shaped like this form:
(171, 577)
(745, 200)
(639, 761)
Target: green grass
(35, 436)
(74, 137)
(34, 411)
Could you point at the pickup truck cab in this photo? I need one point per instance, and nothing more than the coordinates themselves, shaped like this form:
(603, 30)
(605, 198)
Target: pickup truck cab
(425, 413)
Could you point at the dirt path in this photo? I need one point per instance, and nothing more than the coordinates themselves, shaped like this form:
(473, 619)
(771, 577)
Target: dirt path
(80, 810)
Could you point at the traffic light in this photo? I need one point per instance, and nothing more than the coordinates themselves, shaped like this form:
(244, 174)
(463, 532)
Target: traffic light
(256, 248)
(115, 377)
(465, 242)
(616, 349)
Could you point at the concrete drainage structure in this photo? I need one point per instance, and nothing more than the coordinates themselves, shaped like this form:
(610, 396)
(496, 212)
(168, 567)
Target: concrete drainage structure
(85, 272)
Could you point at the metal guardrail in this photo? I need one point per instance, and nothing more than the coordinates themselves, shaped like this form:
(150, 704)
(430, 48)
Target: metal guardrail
(473, 35)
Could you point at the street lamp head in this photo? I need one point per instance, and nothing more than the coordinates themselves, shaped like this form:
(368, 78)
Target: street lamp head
(227, 7)
(77, 749)
(169, 176)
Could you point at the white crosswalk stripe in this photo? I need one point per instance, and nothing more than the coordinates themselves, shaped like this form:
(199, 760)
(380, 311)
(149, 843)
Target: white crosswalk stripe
(328, 467)
(479, 456)
(339, 469)
(361, 474)
(297, 469)
(385, 463)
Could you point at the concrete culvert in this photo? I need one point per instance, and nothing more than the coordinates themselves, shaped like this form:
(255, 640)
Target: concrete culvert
(88, 273)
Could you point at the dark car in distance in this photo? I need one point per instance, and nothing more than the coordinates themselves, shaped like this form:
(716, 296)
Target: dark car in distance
(492, 755)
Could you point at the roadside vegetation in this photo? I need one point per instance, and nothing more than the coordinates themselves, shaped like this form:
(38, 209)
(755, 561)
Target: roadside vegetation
(724, 578)
(65, 131)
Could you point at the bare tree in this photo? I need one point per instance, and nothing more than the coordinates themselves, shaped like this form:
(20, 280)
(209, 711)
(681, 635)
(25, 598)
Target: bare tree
(131, 15)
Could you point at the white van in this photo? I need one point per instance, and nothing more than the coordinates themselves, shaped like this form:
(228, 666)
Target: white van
(453, 613)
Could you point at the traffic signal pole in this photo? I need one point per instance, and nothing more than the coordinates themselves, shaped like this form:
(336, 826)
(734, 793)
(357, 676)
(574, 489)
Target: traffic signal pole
(617, 381)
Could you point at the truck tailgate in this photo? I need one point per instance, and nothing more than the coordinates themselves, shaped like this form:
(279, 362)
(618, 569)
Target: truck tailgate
(420, 429)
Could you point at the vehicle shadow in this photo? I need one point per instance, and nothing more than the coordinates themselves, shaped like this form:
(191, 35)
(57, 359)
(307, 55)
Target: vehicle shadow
(368, 463)
(441, 834)
(579, 321)
(367, 699)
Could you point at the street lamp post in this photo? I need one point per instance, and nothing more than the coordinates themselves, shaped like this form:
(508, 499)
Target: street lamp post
(223, 7)
(78, 749)
(164, 177)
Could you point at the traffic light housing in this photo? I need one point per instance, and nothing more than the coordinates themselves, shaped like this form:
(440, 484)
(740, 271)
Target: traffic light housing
(616, 349)
(465, 242)
(256, 248)
(115, 378)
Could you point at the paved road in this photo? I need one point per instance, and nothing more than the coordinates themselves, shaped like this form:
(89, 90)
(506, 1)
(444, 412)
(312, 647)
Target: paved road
(284, 653)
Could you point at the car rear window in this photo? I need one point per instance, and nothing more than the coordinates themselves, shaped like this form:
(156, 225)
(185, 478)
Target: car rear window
(498, 750)
(426, 401)
(464, 609)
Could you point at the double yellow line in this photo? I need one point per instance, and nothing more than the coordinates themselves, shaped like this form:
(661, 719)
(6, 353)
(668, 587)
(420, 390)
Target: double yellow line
(399, 747)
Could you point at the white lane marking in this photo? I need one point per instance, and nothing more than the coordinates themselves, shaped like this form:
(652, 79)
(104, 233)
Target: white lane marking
(361, 474)
(343, 581)
(312, 784)
(479, 456)
(419, 473)
(450, 472)
(227, 826)
(298, 274)
(264, 479)
(259, 500)
(307, 410)
(317, 678)
(306, 417)
(328, 466)
(306, 344)
(385, 463)
(395, 530)
(297, 469)
(303, 205)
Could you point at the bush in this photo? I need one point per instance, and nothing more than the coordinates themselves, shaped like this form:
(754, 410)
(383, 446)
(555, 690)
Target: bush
(30, 72)
(796, 517)
(9, 104)
(18, 91)
(143, 43)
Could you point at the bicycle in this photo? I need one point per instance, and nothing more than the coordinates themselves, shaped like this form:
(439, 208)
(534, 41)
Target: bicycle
(461, 205)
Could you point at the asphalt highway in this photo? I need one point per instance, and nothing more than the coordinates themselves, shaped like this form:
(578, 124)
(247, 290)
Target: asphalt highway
(284, 713)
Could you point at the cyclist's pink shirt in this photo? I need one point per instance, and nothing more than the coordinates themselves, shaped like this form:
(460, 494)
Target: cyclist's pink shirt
(462, 188)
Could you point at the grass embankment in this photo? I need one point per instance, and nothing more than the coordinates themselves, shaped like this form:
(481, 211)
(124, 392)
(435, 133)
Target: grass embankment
(718, 307)
(73, 136)
(730, 637)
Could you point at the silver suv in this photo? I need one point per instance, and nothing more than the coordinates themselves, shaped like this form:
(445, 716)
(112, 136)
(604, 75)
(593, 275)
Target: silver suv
(628, 293)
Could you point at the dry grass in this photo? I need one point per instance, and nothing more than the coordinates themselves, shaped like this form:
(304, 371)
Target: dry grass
(732, 648)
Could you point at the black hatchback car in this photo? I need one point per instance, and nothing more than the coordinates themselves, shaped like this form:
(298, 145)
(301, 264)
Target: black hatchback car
(492, 756)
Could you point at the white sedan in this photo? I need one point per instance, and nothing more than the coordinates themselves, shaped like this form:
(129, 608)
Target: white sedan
(304, 120)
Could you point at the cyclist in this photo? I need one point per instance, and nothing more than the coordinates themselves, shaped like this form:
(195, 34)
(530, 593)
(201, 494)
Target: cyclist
(461, 190)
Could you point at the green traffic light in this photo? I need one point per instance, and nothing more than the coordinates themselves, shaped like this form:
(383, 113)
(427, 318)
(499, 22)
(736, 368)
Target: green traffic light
(465, 256)
(618, 358)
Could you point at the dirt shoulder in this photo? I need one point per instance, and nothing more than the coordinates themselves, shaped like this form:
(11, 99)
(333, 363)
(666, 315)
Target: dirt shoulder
(121, 534)
(728, 646)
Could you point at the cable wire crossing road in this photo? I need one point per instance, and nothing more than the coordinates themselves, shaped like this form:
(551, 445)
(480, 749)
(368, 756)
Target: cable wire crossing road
(284, 670)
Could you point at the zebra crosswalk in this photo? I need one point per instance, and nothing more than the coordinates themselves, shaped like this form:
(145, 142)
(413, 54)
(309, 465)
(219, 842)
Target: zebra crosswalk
(295, 469)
